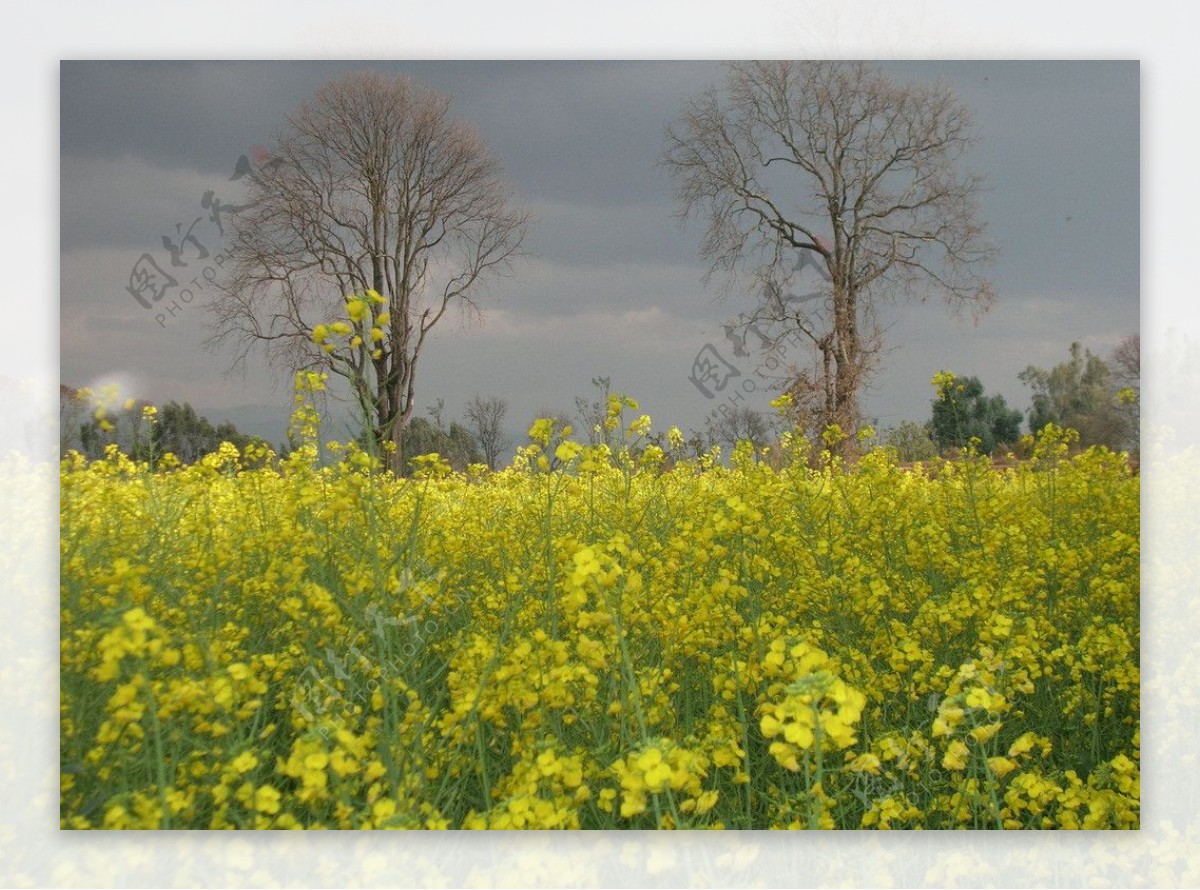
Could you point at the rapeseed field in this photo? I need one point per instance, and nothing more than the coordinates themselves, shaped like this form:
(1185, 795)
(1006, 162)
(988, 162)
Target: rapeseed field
(597, 639)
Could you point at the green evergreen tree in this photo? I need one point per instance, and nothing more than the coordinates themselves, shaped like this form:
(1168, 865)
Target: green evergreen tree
(962, 412)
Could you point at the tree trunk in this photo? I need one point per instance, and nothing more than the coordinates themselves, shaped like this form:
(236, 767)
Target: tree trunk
(396, 458)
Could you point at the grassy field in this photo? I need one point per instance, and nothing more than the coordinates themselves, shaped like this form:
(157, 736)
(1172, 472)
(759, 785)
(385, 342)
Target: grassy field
(593, 640)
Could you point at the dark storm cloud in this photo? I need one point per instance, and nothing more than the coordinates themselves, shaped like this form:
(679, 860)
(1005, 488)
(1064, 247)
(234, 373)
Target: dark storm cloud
(1060, 144)
(180, 115)
(590, 130)
(578, 138)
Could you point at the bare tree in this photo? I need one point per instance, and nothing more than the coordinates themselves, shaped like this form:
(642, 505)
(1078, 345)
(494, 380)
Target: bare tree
(830, 165)
(593, 413)
(485, 420)
(373, 191)
(737, 424)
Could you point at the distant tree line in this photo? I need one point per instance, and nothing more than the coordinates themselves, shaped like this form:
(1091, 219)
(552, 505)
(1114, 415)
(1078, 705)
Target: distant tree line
(89, 423)
(1097, 397)
(89, 426)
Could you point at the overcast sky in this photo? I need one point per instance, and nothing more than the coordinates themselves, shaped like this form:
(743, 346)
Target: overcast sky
(612, 284)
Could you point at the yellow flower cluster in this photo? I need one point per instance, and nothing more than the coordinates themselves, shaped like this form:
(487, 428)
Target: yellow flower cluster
(598, 638)
(365, 330)
(818, 709)
(662, 768)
